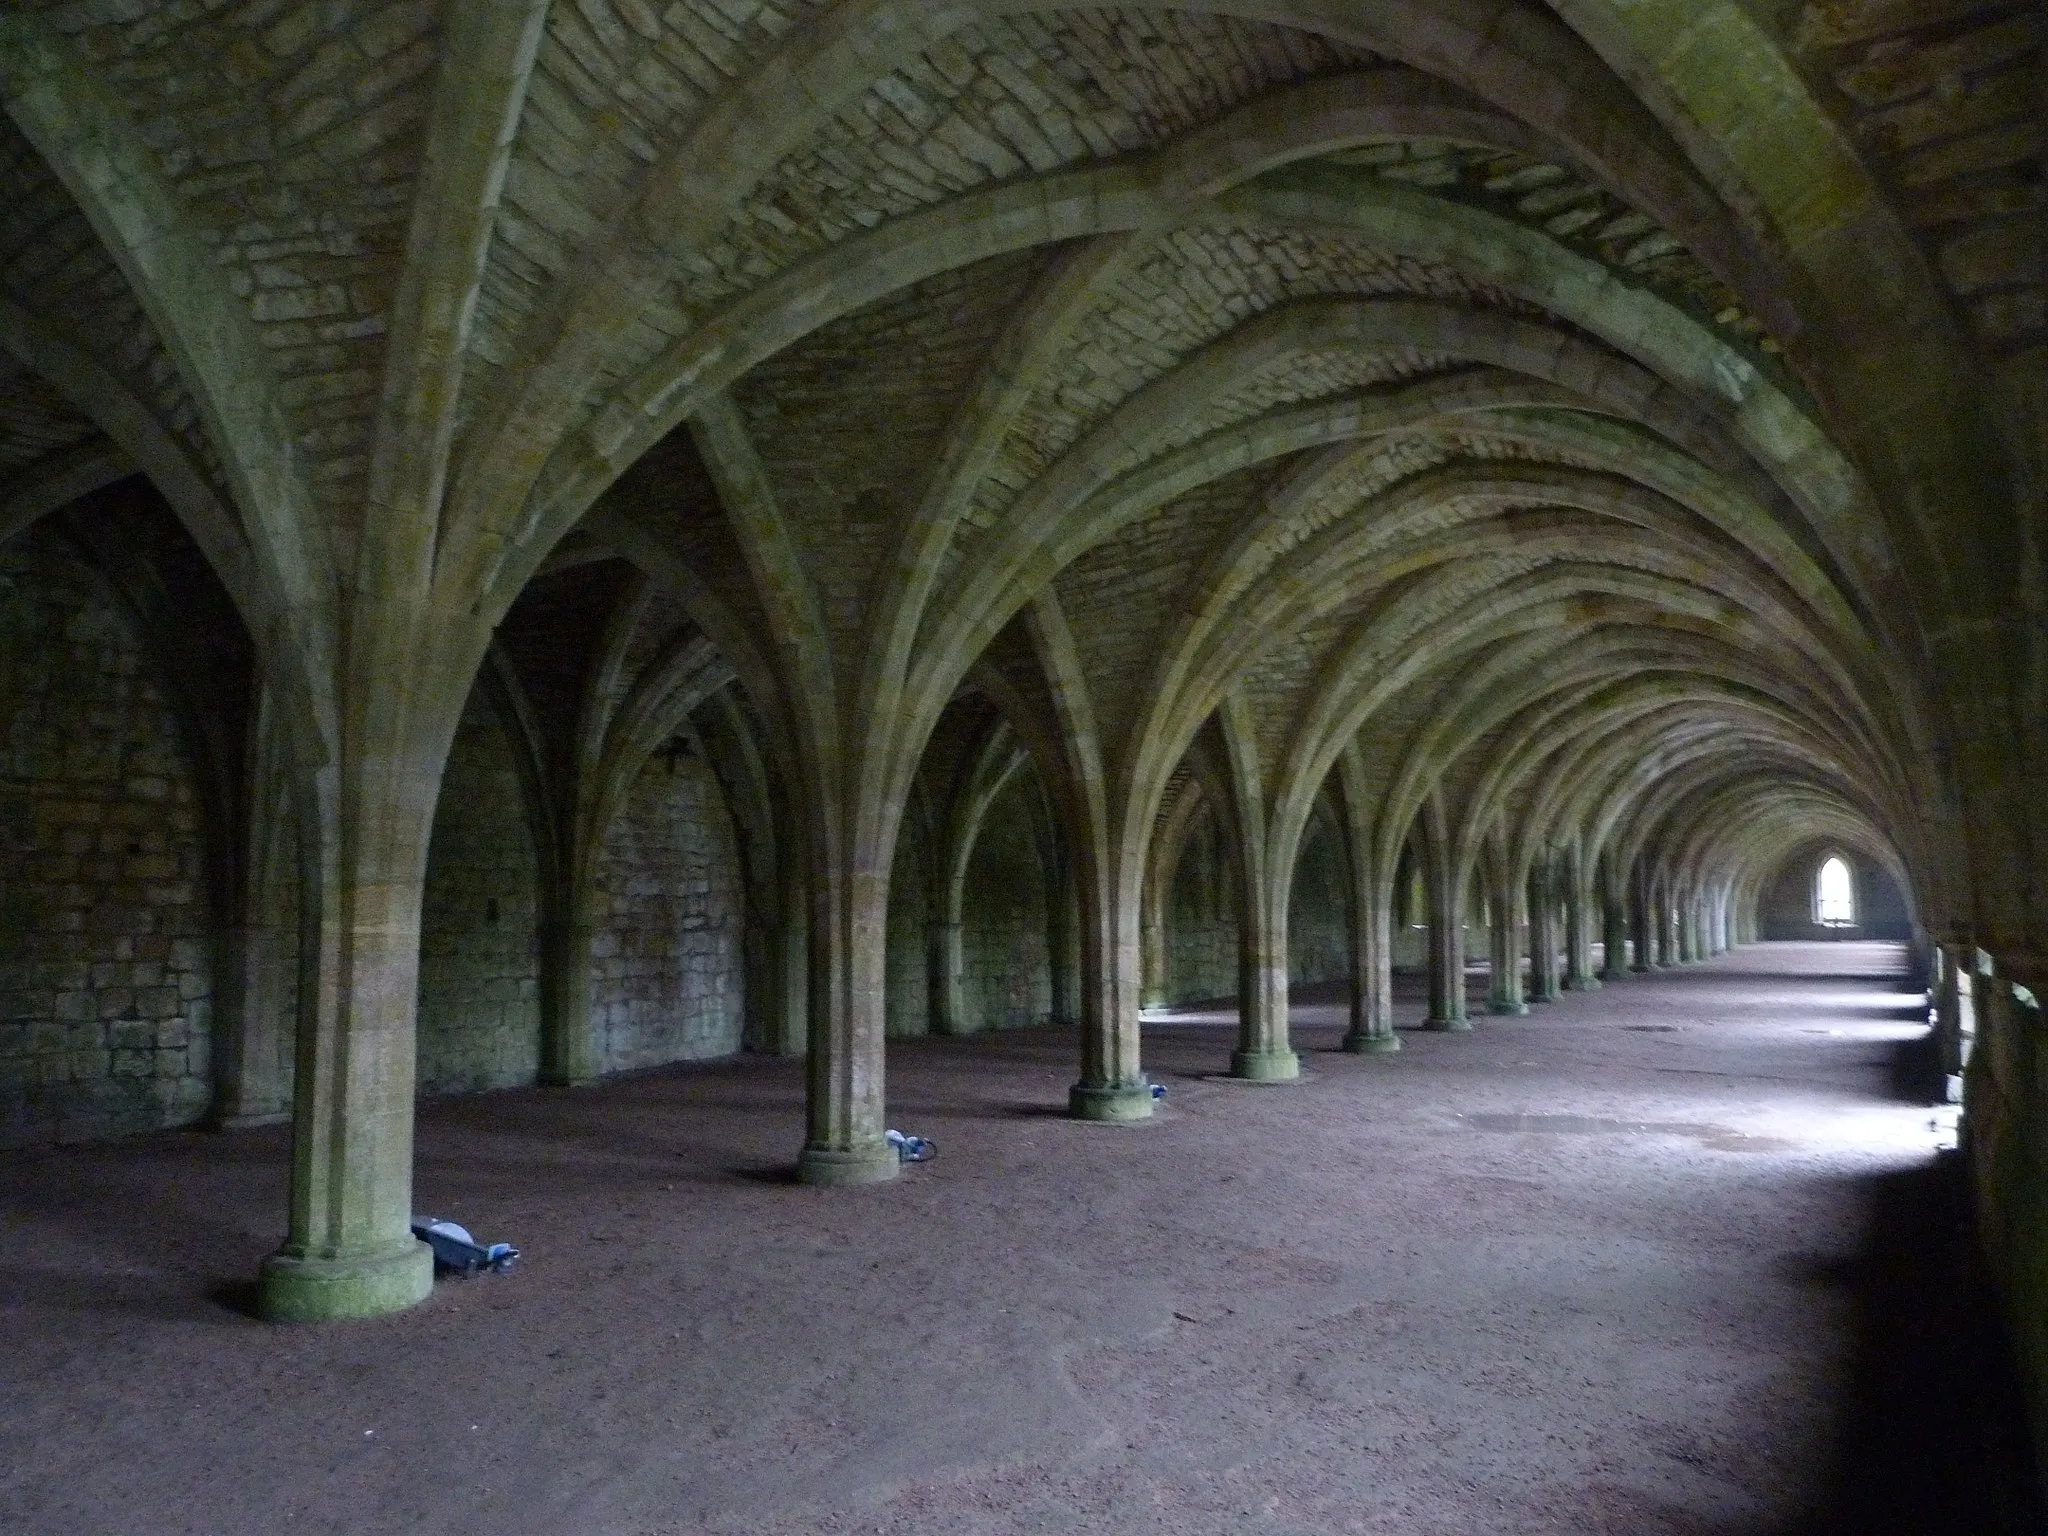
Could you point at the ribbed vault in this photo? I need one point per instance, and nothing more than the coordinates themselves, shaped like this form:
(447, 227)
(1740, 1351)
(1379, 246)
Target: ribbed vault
(1543, 439)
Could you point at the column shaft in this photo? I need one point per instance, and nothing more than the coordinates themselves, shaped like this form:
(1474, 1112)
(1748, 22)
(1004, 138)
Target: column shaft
(1263, 1053)
(1112, 1085)
(349, 1250)
(1578, 926)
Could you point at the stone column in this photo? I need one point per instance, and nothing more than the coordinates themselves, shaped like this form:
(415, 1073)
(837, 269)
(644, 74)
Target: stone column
(1263, 1053)
(1504, 948)
(1947, 1007)
(1370, 913)
(1372, 965)
(252, 1035)
(1446, 952)
(775, 986)
(944, 964)
(349, 1249)
(1112, 1085)
(848, 953)
(1579, 976)
(248, 1059)
(1614, 935)
(1544, 980)
(1062, 927)
(1152, 940)
(1642, 920)
(789, 961)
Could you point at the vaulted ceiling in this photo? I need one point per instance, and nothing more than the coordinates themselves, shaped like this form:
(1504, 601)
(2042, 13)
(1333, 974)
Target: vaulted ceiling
(1591, 415)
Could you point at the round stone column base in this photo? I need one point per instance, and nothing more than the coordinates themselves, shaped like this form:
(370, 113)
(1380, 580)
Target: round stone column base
(1372, 1045)
(291, 1289)
(1449, 1026)
(1510, 1010)
(832, 1167)
(1114, 1102)
(1265, 1066)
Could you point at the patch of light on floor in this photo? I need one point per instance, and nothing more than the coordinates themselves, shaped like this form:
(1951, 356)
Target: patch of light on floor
(1908, 1133)
(1887, 1004)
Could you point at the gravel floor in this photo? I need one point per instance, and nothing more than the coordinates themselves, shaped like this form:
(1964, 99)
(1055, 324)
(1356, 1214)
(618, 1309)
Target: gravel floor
(1649, 1260)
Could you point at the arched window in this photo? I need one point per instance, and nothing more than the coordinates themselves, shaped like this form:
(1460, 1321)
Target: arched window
(1834, 895)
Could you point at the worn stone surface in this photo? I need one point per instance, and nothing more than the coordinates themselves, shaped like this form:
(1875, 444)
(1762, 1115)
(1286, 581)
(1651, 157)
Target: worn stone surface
(667, 981)
(1632, 1265)
(479, 926)
(106, 945)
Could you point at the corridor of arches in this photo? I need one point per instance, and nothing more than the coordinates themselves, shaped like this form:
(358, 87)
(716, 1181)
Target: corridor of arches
(554, 553)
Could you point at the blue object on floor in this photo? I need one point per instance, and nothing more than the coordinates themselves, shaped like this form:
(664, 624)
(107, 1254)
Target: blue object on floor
(1158, 1091)
(912, 1149)
(455, 1249)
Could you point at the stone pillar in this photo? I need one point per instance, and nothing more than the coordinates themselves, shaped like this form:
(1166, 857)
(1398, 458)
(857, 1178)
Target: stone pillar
(1112, 1085)
(848, 954)
(1370, 913)
(1504, 947)
(1446, 952)
(943, 965)
(1263, 1053)
(775, 981)
(1947, 1006)
(789, 962)
(1642, 923)
(1579, 975)
(248, 1059)
(349, 1249)
(1062, 931)
(1613, 936)
(1152, 939)
(1372, 963)
(252, 1037)
(1544, 979)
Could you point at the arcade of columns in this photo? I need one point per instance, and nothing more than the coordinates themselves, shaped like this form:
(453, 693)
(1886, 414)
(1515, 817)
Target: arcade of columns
(1568, 453)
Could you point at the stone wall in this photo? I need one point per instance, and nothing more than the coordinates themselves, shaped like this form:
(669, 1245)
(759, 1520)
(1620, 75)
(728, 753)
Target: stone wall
(1201, 918)
(106, 955)
(479, 1012)
(1785, 909)
(1006, 966)
(1318, 914)
(907, 1000)
(667, 955)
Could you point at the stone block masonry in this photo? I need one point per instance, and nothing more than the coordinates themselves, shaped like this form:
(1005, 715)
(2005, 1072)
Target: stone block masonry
(106, 960)
(479, 1018)
(667, 973)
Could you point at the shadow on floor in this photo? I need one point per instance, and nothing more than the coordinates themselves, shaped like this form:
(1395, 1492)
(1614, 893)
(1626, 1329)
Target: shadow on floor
(1932, 1437)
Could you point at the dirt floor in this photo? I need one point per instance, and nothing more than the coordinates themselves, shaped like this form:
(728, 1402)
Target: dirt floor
(1676, 1256)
